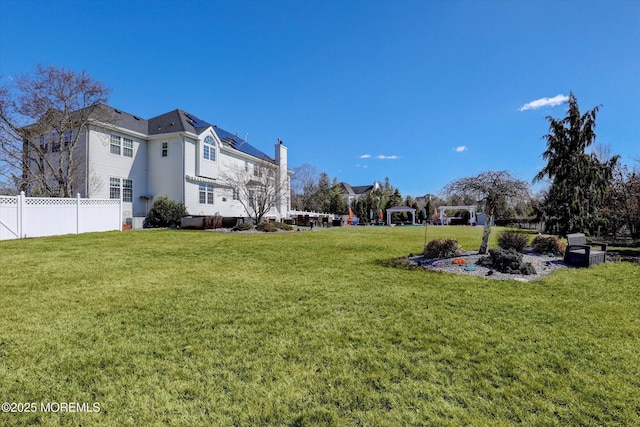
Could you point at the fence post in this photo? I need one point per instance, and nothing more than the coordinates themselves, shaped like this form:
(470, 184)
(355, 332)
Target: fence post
(19, 216)
(77, 213)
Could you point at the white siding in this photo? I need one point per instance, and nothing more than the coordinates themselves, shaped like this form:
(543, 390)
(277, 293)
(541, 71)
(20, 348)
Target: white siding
(154, 175)
(166, 173)
(103, 164)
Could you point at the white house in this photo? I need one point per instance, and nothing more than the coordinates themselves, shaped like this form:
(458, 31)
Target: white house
(177, 155)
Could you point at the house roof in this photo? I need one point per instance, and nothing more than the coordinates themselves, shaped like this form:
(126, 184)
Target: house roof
(362, 189)
(174, 121)
(356, 190)
(108, 115)
(181, 121)
(125, 120)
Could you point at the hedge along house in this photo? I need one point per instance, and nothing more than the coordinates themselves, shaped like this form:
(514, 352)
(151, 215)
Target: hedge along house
(176, 155)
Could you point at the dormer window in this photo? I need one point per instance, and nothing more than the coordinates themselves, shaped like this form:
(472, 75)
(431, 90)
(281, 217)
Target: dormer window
(209, 149)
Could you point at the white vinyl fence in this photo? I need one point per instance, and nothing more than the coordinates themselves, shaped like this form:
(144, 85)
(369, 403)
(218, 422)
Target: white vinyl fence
(22, 216)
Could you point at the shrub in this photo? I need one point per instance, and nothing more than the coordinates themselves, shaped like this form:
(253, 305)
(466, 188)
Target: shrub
(507, 261)
(513, 240)
(549, 244)
(165, 213)
(267, 227)
(283, 226)
(442, 248)
(243, 226)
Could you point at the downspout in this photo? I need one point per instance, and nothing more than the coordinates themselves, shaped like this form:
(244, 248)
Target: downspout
(184, 181)
(86, 164)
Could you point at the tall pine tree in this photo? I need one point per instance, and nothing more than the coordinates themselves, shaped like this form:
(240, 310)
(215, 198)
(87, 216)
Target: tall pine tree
(579, 180)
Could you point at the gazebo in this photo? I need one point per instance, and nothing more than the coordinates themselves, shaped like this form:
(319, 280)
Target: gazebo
(401, 209)
(471, 209)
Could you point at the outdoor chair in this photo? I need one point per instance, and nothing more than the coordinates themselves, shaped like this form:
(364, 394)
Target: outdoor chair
(580, 254)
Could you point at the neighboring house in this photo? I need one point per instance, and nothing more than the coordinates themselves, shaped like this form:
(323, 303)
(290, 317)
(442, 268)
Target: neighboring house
(177, 155)
(353, 193)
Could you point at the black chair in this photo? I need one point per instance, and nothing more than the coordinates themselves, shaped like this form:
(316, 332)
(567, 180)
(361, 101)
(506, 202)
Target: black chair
(579, 253)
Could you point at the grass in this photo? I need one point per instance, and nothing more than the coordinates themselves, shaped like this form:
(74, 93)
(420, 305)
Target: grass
(294, 329)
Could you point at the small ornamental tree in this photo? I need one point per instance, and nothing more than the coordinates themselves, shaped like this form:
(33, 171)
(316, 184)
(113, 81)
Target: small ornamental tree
(494, 190)
(258, 191)
(165, 213)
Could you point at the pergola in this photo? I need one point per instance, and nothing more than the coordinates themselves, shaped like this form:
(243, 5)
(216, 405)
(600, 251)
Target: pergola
(471, 209)
(401, 209)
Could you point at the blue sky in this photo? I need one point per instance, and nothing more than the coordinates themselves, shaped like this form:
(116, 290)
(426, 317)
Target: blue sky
(422, 92)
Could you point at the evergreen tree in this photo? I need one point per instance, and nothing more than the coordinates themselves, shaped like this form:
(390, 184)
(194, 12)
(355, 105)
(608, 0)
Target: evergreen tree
(579, 181)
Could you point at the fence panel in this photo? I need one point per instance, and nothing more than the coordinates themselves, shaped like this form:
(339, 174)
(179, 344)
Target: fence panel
(42, 216)
(8, 217)
(99, 215)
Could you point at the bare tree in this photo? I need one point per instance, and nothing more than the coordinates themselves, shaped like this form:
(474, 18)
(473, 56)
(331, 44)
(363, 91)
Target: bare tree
(304, 185)
(43, 118)
(257, 190)
(494, 190)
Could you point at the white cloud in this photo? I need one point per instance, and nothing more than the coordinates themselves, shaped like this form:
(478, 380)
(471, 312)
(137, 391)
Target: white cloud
(460, 149)
(383, 157)
(365, 156)
(544, 102)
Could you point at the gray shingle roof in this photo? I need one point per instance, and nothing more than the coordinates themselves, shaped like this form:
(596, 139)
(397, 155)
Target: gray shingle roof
(356, 190)
(181, 121)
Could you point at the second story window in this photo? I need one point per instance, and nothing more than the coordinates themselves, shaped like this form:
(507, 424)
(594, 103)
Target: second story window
(116, 145)
(127, 147)
(68, 136)
(209, 149)
(165, 149)
(121, 146)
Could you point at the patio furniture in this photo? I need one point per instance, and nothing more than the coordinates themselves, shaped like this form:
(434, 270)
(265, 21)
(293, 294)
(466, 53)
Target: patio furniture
(579, 253)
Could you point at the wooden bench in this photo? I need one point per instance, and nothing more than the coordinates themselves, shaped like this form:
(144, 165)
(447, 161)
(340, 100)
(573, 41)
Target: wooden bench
(580, 254)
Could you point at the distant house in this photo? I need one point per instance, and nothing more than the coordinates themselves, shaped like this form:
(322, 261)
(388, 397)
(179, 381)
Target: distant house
(353, 193)
(175, 154)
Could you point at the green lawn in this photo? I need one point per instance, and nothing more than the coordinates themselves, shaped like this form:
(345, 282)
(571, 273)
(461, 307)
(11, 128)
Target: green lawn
(201, 328)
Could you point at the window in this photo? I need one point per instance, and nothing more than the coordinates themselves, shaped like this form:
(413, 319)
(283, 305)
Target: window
(165, 149)
(44, 146)
(68, 136)
(236, 194)
(257, 170)
(246, 166)
(121, 146)
(116, 143)
(206, 194)
(127, 147)
(55, 142)
(209, 149)
(127, 190)
(114, 188)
